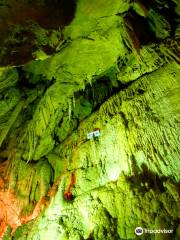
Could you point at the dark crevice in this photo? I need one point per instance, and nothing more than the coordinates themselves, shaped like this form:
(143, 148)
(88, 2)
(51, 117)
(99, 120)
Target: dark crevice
(23, 81)
(165, 8)
(125, 121)
(141, 28)
(152, 180)
(30, 81)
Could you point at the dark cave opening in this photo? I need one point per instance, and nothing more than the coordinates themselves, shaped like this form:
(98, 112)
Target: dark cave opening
(166, 9)
(21, 16)
(171, 17)
(63, 13)
(32, 81)
(100, 91)
(141, 28)
(22, 12)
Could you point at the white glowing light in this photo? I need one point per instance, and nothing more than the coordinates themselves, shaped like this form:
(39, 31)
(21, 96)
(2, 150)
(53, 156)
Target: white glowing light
(114, 173)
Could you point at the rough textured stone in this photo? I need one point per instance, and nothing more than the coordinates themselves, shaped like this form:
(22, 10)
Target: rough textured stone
(112, 67)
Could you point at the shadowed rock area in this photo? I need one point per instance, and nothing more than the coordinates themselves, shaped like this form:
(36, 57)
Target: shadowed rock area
(20, 22)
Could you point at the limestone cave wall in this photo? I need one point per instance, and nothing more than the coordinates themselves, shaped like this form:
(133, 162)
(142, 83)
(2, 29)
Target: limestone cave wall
(89, 119)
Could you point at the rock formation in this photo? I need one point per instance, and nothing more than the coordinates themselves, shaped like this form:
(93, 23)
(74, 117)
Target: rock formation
(73, 68)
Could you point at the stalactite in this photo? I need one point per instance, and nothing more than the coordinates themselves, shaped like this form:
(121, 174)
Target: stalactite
(69, 109)
(74, 101)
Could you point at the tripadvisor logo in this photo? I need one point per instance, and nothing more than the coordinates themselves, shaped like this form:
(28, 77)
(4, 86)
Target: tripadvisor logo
(138, 231)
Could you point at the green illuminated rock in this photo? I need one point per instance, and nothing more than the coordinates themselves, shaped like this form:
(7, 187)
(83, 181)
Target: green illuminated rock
(97, 73)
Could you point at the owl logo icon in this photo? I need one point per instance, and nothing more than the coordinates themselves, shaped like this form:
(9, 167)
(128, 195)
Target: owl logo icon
(138, 231)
